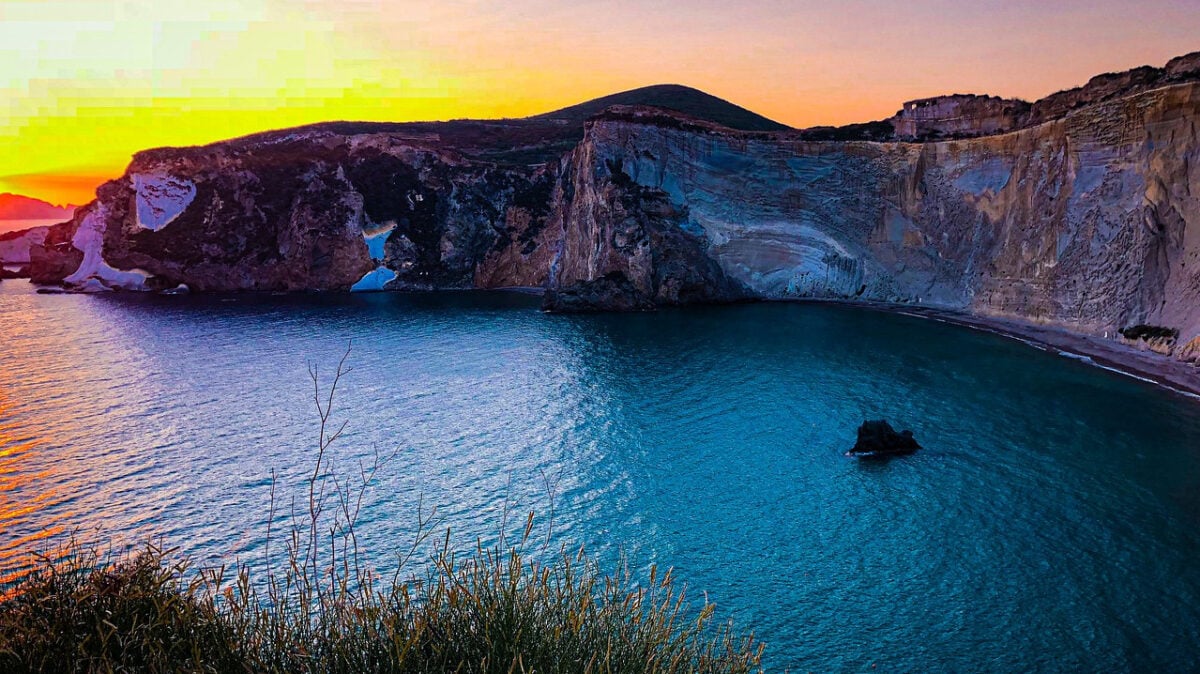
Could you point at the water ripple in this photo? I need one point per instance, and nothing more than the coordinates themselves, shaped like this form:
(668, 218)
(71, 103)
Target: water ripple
(1050, 523)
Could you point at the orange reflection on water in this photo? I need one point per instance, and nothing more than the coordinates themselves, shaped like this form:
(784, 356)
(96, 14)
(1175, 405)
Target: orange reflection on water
(28, 491)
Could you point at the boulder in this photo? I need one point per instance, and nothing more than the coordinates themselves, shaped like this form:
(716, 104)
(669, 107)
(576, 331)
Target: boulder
(879, 439)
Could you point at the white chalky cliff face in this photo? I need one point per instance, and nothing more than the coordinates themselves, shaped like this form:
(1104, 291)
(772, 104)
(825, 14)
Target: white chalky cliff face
(14, 247)
(160, 199)
(94, 274)
(1091, 222)
(374, 280)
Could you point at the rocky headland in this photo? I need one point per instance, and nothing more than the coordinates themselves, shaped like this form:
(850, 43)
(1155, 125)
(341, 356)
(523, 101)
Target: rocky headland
(16, 246)
(1079, 212)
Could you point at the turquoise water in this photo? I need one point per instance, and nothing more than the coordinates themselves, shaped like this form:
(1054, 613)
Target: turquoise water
(1050, 523)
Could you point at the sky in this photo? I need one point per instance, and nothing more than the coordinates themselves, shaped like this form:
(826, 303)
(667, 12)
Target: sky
(84, 84)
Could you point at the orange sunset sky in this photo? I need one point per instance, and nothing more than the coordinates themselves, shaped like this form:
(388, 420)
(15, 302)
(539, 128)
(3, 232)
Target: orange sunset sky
(87, 83)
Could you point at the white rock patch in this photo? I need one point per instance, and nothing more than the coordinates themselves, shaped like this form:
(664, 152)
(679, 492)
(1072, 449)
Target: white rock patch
(89, 239)
(161, 198)
(16, 251)
(373, 281)
(376, 238)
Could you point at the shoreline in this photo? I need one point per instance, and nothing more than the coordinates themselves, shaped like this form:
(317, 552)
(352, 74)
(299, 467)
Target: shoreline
(1153, 368)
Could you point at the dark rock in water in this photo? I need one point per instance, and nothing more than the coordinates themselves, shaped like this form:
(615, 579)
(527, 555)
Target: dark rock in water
(878, 438)
(21, 272)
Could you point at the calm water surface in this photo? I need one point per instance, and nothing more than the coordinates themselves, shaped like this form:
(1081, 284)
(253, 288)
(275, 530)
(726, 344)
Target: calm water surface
(1050, 524)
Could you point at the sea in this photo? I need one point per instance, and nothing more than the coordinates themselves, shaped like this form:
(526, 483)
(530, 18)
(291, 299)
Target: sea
(1051, 521)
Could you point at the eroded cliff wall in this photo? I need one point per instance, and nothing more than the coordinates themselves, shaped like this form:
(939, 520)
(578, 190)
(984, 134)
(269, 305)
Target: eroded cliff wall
(1091, 221)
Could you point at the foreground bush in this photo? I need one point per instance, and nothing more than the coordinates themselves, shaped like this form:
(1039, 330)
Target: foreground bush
(490, 612)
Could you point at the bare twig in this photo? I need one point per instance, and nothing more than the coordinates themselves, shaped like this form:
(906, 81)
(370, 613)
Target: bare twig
(552, 493)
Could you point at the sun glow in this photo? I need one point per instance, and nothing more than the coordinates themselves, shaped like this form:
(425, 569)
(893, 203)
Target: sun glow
(86, 84)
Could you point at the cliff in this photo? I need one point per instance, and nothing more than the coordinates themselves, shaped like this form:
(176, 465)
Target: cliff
(1090, 222)
(971, 115)
(15, 246)
(958, 116)
(1087, 219)
(326, 207)
(341, 205)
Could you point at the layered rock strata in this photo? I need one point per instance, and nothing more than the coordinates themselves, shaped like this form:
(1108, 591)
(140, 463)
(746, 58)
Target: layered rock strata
(1091, 221)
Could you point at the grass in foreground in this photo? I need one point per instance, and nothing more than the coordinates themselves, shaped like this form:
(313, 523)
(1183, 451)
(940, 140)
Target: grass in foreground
(494, 611)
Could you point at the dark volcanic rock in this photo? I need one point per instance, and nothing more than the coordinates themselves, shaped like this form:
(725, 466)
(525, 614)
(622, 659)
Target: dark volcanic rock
(55, 258)
(878, 438)
(672, 97)
(611, 292)
(20, 272)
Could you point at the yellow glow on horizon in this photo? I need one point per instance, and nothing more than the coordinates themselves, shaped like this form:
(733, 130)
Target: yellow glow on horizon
(86, 84)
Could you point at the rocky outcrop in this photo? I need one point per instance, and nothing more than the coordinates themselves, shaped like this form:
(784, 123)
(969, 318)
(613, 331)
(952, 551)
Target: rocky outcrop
(958, 116)
(1115, 85)
(14, 246)
(877, 439)
(1088, 220)
(312, 210)
(56, 257)
(1190, 352)
(971, 115)
(625, 242)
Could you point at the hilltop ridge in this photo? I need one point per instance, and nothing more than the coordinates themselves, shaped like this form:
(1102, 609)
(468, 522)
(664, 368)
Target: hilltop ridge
(675, 97)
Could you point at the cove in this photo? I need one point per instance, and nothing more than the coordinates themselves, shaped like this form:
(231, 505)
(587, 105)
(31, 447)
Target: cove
(1049, 523)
